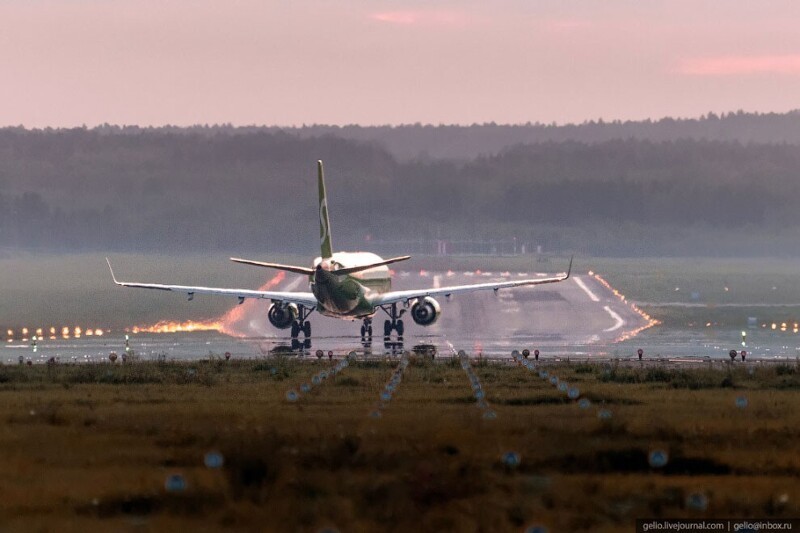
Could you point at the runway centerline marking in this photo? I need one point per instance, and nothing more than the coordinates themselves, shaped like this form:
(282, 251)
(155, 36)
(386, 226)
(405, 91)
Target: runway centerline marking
(619, 321)
(582, 285)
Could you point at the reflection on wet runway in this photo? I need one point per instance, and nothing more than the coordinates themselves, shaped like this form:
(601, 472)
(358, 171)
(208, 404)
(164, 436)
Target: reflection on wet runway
(581, 318)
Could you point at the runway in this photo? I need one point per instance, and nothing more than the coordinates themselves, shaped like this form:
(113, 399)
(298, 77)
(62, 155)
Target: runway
(568, 316)
(581, 318)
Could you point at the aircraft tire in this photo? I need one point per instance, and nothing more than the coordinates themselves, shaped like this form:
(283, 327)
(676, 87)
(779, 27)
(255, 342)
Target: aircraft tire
(387, 328)
(400, 327)
(295, 329)
(307, 329)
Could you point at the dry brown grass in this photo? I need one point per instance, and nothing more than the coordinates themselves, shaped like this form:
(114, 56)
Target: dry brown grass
(89, 447)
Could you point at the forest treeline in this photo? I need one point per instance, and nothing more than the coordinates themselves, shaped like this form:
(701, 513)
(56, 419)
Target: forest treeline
(464, 143)
(237, 189)
(418, 141)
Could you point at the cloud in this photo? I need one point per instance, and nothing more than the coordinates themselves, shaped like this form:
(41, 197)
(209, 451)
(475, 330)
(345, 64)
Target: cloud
(740, 65)
(421, 17)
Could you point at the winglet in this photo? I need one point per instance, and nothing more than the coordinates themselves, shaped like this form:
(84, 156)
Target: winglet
(569, 269)
(112, 272)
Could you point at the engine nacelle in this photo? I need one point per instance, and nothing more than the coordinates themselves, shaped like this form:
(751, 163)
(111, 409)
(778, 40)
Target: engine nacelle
(425, 311)
(282, 316)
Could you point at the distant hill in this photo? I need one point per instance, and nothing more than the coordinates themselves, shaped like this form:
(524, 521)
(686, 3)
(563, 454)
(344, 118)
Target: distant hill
(463, 143)
(253, 189)
(467, 142)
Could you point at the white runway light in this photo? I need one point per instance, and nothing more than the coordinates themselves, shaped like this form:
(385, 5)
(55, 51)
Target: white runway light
(477, 388)
(390, 387)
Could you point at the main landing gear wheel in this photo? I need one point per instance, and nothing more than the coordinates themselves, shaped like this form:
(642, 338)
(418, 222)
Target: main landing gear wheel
(297, 329)
(397, 326)
(301, 325)
(393, 324)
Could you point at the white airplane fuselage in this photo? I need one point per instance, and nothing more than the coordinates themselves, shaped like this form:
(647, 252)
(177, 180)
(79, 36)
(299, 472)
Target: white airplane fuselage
(346, 296)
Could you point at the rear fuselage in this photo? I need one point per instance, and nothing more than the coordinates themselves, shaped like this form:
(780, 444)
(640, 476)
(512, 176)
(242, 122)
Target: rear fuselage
(346, 296)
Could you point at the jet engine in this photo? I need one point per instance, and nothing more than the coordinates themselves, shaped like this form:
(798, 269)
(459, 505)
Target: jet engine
(282, 316)
(425, 311)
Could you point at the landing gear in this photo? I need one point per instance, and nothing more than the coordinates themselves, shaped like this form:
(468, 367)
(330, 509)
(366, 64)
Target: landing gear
(366, 332)
(397, 326)
(304, 345)
(301, 325)
(395, 323)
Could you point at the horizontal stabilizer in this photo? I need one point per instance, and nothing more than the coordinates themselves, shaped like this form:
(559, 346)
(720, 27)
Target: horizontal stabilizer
(288, 268)
(361, 268)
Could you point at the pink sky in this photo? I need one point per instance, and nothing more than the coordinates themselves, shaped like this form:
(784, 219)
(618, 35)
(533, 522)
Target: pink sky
(152, 62)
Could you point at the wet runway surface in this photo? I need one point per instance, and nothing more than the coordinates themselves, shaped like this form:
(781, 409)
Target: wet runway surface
(570, 315)
(581, 318)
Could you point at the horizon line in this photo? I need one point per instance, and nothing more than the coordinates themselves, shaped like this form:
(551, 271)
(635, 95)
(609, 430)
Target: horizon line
(592, 121)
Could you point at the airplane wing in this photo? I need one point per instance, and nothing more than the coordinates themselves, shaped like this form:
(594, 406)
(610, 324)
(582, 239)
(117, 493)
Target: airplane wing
(306, 299)
(405, 296)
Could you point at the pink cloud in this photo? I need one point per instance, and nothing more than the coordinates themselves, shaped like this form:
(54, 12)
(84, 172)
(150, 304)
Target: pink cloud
(740, 65)
(421, 17)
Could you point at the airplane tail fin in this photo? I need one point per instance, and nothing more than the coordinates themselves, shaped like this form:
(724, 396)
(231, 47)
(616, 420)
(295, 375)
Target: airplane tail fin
(324, 223)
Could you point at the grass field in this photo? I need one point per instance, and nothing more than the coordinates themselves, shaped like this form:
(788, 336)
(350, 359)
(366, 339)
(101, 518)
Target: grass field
(91, 447)
(726, 291)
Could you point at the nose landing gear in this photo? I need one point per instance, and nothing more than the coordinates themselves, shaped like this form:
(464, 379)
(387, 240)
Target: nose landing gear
(366, 333)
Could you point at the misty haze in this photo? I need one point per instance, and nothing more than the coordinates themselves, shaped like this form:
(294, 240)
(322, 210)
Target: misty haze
(715, 186)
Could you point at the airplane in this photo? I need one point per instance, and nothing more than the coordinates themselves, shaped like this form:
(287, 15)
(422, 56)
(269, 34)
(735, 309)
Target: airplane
(346, 285)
